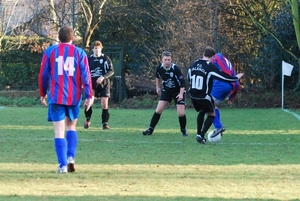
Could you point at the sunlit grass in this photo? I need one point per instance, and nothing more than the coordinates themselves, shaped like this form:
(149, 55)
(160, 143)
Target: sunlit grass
(211, 181)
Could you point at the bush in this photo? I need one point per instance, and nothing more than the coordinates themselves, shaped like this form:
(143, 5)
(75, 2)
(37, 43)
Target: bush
(253, 99)
(5, 101)
(26, 102)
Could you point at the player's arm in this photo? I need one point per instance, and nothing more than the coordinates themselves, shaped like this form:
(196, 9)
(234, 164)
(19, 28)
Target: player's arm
(109, 73)
(158, 85)
(182, 83)
(222, 76)
(86, 80)
(43, 79)
(180, 95)
(110, 70)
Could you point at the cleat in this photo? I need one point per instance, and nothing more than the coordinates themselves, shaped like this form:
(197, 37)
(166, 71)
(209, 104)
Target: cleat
(62, 170)
(87, 124)
(149, 131)
(71, 164)
(105, 127)
(184, 132)
(217, 131)
(200, 139)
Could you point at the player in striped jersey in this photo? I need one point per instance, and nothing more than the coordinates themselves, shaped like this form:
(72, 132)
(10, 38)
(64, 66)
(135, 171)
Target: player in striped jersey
(201, 75)
(222, 90)
(64, 70)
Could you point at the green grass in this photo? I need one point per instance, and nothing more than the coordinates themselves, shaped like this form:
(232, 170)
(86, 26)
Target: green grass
(257, 158)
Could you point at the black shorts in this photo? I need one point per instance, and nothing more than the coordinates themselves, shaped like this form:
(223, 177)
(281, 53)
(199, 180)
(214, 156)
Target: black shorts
(101, 90)
(204, 104)
(167, 96)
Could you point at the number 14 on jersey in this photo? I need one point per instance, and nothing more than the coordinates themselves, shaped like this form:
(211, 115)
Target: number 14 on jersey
(67, 65)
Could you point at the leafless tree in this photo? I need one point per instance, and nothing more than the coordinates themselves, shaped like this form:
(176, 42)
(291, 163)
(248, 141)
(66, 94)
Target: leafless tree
(92, 13)
(13, 13)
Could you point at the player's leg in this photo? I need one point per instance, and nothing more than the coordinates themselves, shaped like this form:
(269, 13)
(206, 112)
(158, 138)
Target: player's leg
(156, 116)
(88, 115)
(57, 115)
(180, 105)
(105, 95)
(105, 114)
(207, 123)
(182, 119)
(164, 100)
(218, 126)
(71, 135)
(207, 106)
(219, 92)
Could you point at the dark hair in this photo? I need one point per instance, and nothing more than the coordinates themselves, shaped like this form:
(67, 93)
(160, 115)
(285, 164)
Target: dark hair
(166, 54)
(96, 44)
(209, 52)
(65, 34)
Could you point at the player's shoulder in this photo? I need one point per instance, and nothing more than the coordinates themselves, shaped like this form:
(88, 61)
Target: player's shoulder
(175, 66)
(159, 66)
(199, 61)
(50, 48)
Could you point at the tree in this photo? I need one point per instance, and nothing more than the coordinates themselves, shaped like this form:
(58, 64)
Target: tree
(13, 13)
(92, 14)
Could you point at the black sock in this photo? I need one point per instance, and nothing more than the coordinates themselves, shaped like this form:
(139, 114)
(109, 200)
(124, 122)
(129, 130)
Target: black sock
(182, 122)
(200, 119)
(105, 116)
(154, 120)
(88, 114)
(207, 123)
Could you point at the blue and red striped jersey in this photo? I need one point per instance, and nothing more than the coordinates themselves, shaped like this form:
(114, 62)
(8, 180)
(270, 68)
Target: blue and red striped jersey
(225, 65)
(64, 71)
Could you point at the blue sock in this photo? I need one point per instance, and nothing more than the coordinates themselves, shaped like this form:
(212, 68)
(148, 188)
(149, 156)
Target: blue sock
(72, 141)
(61, 150)
(217, 119)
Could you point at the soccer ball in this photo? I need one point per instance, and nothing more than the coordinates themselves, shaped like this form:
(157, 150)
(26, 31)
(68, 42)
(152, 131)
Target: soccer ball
(214, 139)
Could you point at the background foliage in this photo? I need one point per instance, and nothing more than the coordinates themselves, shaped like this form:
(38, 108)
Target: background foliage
(146, 28)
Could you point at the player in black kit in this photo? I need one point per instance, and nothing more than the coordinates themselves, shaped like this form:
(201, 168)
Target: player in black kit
(201, 75)
(101, 69)
(169, 75)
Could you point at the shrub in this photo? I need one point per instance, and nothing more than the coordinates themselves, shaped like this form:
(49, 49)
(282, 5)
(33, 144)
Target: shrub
(26, 102)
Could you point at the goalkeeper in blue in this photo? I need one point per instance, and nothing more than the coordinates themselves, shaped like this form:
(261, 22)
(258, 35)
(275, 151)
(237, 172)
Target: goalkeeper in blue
(223, 90)
(64, 71)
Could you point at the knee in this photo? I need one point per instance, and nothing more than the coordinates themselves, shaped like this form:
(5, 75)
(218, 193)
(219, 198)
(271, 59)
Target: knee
(181, 114)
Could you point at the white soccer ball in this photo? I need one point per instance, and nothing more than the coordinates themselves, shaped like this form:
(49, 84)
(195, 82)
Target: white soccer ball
(214, 139)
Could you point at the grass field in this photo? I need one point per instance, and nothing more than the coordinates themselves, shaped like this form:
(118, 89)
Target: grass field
(257, 158)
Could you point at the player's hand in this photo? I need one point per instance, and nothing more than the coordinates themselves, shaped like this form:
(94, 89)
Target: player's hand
(43, 100)
(229, 102)
(240, 75)
(100, 80)
(158, 91)
(88, 103)
(179, 97)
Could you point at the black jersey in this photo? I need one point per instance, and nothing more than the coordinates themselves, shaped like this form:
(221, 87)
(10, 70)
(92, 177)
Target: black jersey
(201, 75)
(172, 79)
(101, 66)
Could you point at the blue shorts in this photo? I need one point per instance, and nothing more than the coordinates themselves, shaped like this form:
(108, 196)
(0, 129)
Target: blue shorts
(220, 91)
(59, 112)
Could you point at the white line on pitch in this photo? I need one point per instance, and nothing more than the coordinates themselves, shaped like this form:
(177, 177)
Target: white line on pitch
(295, 115)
